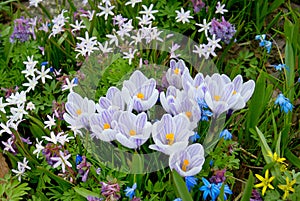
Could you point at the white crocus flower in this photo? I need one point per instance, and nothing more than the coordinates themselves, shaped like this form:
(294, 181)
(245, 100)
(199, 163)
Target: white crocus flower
(171, 134)
(189, 161)
(139, 92)
(175, 72)
(134, 130)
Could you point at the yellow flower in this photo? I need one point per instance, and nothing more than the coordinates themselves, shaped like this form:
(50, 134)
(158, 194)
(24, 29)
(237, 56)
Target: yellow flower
(276, 158)
(287, 188)
(265, 182)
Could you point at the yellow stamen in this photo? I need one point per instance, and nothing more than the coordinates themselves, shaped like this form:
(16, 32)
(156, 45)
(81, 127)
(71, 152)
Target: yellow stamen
(78, 112)
(185, 164)
(140, 95)
(217, 98)
(234, 92)
(106, 126)
(176, 71)
(132, 132)
(188, 114)
(170, 138)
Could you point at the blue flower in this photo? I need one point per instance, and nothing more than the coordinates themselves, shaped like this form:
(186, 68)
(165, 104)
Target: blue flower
(226, 135)
(279, 67)
(130, 191)
(284, 103)
(44, 63)
(190, 182)
(205, 113)
(263, 42)
(195, 137)
(209, 189)
(211, 163)
(177, 199)
(226, 189)
(78, 159)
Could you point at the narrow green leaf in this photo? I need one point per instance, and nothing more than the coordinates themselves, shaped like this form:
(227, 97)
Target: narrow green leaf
(84, 192)
(277, 148)
(264, 146)
(181, 188)
(292, 158)
(248, 188)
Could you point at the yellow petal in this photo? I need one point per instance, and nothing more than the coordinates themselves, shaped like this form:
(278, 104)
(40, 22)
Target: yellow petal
(259, 177)
(271, 179)
(264, 190)
(259, 185)
(270, 186)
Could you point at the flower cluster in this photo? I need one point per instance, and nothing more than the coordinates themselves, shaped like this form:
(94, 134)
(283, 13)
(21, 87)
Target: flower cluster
(23, 29)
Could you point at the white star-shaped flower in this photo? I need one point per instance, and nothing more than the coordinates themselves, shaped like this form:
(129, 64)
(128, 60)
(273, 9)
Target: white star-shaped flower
(62, 160)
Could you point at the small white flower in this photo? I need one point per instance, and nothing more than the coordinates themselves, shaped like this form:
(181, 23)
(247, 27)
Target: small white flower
(34, 3)
(132, 2)
(9, 145)
(220, 8)
(214, 42)
(30, 106)
(39, 147)
(31, 84)
(43, 74)
(204, 27)
(2, 105)
(107, 10)
(30, 63)
(70, 85)
(77, 26)
(129, 55)
(62, 160)
(104, 48)
(148, 11)
(90, 15)
(21, 169)
(50, 123)
(183, 16)
(18, 112)
(199, 50)
(52, 138)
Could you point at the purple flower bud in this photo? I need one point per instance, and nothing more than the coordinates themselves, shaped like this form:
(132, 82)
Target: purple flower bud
(223, 30)
(22, 30)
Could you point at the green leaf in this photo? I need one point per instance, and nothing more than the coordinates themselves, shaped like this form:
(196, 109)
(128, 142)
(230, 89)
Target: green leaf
(85, 193)
(181, 188)
(292, 158)
(248, 188)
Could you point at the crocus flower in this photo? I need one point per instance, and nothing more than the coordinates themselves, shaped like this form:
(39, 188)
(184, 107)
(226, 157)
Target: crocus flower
(133, 130)
(189, 161)
(113, 99)
(284, 103)
(175, 72)
(171, 134)
(220, 95)
(139, 92)
(190, 182)
(103, 125)
(78, 110)
(130, 191)
(242, 91)
(177, 102)
(209, 189)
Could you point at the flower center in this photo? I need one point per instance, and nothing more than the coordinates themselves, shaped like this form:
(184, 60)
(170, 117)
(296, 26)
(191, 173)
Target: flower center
(140, 95)
(78, 112)
(132, 132)
(170, 138)
(188, 114)
(185, 164)
(217, 98)
(106, 126)
(176, 71)
(234, 92)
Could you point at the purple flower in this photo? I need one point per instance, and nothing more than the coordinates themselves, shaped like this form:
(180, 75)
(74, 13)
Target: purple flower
(223, 30)
(91, 198)
(22, 30)
(83, 168)
(255, 196)
(198, 5)
(110, 191)
(218, 177)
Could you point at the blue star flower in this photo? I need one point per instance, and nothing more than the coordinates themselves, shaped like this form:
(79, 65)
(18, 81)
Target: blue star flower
(226, 189)
(284, 103)
(226, 135)
(78, 159)
(279, 67)
(130, 191)
(195, 137)
(209, 189)
(177, 199)
(190, 182)
(263, 42)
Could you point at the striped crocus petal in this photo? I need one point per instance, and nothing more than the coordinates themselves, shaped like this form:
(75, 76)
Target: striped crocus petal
(188, 162)
(171, 134)
(113, 99)
(133, 130)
